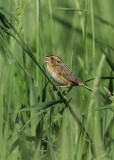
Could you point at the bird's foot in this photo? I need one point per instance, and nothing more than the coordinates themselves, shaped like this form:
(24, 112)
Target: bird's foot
(66, 92)
(56, 88)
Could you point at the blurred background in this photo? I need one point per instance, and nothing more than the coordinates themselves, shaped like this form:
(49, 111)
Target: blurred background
(36, 123)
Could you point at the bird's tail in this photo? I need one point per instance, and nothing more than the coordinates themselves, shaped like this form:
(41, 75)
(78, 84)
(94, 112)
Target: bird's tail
(88, 88)
(83, 85)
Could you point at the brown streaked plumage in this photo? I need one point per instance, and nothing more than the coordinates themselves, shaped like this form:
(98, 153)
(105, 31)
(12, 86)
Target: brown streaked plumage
(61, 73)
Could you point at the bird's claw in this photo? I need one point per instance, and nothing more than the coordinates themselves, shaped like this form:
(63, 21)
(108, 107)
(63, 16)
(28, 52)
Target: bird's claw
(56, 89)
(66, 92)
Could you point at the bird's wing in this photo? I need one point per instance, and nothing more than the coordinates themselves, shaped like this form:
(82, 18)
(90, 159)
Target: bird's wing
(68, 74)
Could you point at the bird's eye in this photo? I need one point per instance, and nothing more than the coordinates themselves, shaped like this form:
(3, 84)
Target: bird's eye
(52, 59)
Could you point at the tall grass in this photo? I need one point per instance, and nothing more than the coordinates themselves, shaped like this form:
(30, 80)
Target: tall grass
(36, 122)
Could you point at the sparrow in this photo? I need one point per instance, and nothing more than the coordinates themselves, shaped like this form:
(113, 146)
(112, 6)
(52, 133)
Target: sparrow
(62, 74)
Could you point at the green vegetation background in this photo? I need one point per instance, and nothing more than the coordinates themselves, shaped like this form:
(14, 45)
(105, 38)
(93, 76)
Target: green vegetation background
(35, 121)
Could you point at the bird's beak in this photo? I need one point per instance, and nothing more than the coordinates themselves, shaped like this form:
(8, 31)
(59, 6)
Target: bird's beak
(47, 59)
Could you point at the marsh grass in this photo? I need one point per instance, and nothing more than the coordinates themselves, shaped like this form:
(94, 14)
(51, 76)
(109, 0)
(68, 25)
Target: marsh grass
(36, 121)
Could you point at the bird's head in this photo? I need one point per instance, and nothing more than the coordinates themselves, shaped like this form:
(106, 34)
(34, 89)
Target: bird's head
(53, 59)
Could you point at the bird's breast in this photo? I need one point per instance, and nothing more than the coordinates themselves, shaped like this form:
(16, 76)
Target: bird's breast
(55, 75)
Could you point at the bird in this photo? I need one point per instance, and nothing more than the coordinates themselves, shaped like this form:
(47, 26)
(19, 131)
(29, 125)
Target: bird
(62, 74)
